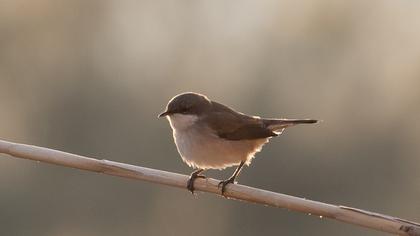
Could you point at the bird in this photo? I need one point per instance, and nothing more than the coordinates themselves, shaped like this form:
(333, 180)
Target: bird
(210, 135)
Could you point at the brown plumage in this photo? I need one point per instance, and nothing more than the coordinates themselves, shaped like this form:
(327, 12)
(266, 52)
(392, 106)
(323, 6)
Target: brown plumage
(210, 135)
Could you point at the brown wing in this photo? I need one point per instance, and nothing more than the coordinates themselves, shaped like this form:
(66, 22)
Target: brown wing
(232, 125)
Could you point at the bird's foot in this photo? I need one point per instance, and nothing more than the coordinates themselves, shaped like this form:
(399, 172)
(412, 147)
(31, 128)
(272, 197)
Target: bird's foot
(225, 182)
(190, 182)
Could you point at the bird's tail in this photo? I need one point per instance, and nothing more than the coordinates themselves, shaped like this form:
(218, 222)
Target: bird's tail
(280, 124)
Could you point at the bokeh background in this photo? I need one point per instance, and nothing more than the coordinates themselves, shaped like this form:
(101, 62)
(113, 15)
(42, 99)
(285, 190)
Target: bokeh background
(89, 77)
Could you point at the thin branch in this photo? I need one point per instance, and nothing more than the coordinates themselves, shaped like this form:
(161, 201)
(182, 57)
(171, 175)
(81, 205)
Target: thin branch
(349, 215)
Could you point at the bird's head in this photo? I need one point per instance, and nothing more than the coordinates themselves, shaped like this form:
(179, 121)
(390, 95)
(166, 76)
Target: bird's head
(184, 109)
(186, 104)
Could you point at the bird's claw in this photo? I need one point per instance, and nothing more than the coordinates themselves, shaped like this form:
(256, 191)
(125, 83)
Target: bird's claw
(224, 183)
(190, 182)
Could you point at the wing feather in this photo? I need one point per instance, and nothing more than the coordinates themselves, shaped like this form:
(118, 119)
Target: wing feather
(232, 125)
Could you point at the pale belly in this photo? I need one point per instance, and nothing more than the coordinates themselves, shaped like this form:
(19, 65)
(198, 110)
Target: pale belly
(202, 149)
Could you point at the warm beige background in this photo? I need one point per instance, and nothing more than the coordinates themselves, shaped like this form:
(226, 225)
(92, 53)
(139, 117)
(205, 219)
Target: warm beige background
(89, 77)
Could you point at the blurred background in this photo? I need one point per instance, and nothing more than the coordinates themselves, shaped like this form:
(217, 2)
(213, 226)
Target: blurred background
(90, 77)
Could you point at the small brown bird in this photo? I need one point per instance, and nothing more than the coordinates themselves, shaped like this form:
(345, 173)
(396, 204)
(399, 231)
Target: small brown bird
(210, 135)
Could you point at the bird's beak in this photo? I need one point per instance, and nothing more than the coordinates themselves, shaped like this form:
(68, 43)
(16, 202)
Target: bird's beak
(163, 114)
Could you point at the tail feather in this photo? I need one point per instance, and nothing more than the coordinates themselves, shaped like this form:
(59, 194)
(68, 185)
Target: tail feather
(279, 124)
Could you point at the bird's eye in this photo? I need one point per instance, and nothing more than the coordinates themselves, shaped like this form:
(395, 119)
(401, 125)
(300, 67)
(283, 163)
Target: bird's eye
(185, 110)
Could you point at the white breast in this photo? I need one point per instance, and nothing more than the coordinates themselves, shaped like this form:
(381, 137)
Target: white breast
(200, 147)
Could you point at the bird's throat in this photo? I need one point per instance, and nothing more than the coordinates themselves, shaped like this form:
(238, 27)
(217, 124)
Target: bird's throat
(181, 121)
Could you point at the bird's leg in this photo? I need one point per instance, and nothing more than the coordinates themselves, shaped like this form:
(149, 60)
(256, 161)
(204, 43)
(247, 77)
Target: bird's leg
(231, 180)
(194, 175)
